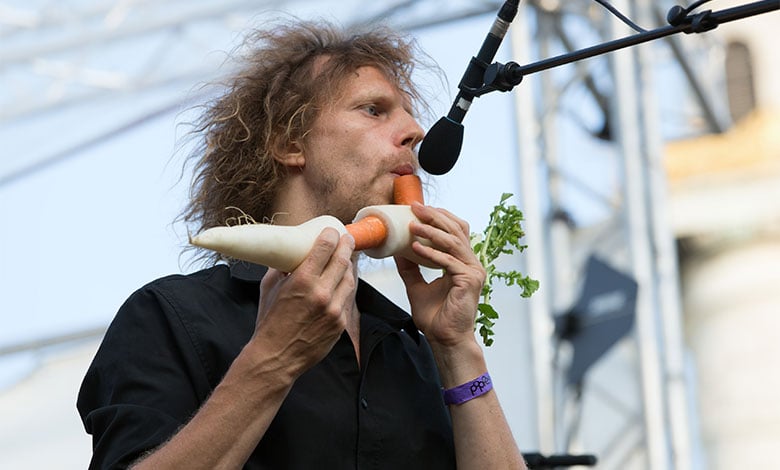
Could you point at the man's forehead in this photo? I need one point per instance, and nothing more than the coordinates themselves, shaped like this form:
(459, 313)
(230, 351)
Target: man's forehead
(371, 81)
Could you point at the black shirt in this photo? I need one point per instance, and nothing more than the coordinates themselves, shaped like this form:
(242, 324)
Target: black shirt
(174, 339)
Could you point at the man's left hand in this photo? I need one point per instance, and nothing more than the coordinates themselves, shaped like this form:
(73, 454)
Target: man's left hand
(444, 309)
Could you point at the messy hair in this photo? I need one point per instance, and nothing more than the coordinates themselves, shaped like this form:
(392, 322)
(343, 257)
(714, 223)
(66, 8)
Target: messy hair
(271, 102)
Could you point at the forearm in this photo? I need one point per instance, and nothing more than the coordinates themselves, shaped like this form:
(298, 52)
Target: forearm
(229, 425)
(482, 435)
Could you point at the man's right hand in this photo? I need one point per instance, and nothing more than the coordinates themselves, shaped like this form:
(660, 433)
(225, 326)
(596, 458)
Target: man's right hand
(302, 314)
(300, 317)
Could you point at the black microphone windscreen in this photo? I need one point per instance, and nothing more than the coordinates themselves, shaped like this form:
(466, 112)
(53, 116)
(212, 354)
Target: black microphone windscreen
(441, 147)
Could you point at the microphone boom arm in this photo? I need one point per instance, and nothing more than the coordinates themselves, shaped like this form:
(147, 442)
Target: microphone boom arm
(503, 77)
(441, 147)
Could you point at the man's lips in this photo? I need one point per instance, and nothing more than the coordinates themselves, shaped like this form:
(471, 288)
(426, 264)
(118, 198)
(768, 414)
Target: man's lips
(402, 170)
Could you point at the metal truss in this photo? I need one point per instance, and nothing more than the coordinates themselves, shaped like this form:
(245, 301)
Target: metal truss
(56, 56)
(617, 102)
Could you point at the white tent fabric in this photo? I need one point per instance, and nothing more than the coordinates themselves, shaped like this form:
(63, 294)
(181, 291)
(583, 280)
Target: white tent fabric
(41, 428)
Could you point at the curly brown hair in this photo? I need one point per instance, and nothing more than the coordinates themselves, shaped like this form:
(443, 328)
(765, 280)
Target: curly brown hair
(272, 101)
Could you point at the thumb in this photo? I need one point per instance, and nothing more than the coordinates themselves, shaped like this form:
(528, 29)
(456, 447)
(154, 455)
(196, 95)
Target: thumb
(271, 279)
(409, 271)
(269, 284)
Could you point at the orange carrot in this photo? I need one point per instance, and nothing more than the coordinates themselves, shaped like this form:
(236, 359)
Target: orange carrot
(407, 189)
(368, 232)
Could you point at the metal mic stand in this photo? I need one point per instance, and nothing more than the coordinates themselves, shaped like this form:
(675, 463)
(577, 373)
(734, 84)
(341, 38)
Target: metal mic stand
(536, 460)
(504, 77)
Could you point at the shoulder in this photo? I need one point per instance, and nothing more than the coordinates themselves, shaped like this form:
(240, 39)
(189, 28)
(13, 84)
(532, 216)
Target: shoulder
(182, 290)
(213, 277)
(189, 305)
(201, 319)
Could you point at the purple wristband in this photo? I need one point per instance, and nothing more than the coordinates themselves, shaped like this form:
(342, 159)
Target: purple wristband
(472, 389)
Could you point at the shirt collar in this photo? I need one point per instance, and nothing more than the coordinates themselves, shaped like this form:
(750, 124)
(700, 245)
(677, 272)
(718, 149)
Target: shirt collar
(245, 271)
(369, 300)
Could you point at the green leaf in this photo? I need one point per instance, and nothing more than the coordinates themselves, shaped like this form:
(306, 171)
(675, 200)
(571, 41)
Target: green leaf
(488, 311)
(500, 237)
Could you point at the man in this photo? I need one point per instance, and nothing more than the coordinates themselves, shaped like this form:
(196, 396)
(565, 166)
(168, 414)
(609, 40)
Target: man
(318, 370)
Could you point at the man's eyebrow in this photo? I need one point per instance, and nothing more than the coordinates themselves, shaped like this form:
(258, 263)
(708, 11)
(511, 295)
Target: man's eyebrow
(382, 95)
(409, 100)
(409, 108)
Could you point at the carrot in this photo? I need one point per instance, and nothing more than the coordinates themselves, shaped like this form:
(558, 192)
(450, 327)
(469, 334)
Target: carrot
(371, 232)
(407, 189)
(368, 232)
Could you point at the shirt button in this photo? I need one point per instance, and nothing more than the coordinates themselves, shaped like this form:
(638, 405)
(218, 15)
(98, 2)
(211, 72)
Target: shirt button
(364, 403)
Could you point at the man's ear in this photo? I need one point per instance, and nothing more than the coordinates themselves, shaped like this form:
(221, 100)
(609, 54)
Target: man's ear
(288, 153)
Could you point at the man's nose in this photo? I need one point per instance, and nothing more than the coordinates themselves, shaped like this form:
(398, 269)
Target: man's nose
(411, 133)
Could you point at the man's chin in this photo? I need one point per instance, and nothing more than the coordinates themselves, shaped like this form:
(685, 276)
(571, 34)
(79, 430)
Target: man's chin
(347, 216)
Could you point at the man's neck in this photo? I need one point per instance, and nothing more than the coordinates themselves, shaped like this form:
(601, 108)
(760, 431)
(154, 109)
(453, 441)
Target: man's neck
(353, 329)
(293, 205)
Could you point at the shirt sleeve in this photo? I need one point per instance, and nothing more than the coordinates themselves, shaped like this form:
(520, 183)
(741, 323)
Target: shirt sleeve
(144, 383)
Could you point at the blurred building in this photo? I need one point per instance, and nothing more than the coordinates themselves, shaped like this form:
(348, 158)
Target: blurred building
(724, 206)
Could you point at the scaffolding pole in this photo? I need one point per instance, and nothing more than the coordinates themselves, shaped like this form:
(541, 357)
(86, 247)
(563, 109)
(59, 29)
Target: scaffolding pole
(626, 105)
(531, 166)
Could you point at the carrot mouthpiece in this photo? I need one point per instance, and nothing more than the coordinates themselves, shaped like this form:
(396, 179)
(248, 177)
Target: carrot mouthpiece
(368, 232)
(407, 189)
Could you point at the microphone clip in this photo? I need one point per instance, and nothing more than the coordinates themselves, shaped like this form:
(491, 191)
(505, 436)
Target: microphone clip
(501, 77)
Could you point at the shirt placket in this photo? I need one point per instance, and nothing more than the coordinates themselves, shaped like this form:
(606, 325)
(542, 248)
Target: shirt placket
(369, 441)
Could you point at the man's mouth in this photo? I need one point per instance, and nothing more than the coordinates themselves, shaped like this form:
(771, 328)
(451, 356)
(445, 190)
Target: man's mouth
(401, 170)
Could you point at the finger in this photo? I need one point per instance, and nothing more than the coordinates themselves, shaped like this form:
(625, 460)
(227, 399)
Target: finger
(340, 261)
(335, 289)
(344, 289)
(437, 256)
(464, 226)
(466, 278)
(455, 244)
(324, 246)
(408, 271)
(270, 279)
(268, 284)
(442, 219)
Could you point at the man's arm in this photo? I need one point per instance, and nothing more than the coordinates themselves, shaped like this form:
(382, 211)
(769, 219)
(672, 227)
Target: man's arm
(300, 318)
(444, 310)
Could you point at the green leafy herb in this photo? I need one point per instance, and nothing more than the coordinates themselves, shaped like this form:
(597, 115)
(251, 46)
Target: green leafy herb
(501, 236)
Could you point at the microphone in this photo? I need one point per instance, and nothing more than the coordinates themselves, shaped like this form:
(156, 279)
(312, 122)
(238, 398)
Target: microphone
(441, 147)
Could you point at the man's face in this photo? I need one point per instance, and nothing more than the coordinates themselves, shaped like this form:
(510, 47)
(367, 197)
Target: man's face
(359, 144)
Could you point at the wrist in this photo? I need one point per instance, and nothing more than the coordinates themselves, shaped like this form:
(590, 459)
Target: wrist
(262, 372)
(459, 363)
(469, 390)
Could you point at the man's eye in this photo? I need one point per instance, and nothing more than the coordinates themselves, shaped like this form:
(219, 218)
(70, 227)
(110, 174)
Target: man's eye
(372, 110)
